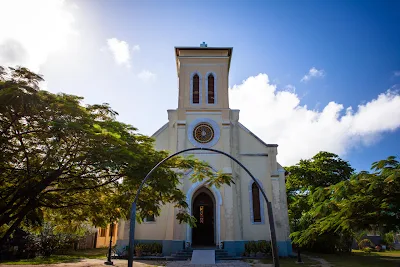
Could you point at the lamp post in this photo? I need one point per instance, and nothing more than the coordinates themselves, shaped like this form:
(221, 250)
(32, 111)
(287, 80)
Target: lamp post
(299, 260)
(109, 262)
(269, 205)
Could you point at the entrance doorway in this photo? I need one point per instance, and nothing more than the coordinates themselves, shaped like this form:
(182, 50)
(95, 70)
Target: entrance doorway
(203, 210)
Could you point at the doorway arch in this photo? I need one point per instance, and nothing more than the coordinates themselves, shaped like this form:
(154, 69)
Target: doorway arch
(203, 209)
(217, 214)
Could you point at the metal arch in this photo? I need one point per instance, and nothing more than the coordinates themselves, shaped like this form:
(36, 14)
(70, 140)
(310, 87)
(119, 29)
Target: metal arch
(133, 208)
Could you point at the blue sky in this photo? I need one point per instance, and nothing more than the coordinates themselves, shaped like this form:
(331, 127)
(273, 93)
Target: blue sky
(316, 52)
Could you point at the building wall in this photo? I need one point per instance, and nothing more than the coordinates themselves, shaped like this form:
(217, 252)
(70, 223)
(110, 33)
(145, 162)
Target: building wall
(104, 240)
(235, 225)
(235, 222)
(249, 147)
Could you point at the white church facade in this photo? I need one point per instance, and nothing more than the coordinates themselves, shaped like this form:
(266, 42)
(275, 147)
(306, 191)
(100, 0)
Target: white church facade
(231, 215)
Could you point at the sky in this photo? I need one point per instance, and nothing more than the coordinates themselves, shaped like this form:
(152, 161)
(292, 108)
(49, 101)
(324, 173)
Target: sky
(309, 76)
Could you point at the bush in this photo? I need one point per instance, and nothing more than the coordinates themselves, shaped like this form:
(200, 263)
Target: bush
(48, 241)
(43, 242)
(388, 239)
(252, 247)
(149, 249)
(368, 249)
(19, 246)
(365, 243)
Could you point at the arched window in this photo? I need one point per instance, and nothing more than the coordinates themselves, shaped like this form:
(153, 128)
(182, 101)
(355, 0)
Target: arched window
(255, 194)
(196, 89)
(211, 89)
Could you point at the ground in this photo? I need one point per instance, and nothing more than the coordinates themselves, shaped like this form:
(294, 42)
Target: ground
(92, 263)
(96, 258)
(355, 259)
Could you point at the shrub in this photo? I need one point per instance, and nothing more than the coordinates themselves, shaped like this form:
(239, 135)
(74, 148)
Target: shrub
(264, 246)
(365, 243)
(388, 239)
(368, 249)
(257, 246)
(152, 248)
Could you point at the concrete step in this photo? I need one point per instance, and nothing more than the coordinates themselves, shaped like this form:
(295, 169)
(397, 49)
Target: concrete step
(203, 257)
(220, 254)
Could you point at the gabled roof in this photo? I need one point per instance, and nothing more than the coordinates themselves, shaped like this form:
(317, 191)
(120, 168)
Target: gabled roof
(165, 126)
(256, 137)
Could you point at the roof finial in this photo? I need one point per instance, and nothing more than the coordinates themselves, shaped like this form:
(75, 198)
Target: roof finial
(203, 44)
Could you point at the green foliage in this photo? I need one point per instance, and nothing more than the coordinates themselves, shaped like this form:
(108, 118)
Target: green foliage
(257, 246)
(64, 162)
(308, 176)
(336, 209)
(368, 249)
(151, 248)
(304, 184)
(48, 241)
(145, 249)
(264, 246)
(388, 238)
(365, 243)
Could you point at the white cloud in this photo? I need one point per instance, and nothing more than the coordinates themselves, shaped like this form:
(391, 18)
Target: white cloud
(290, 88)
(146, 75)
(136, 48)
(120, 51)
(33, 30)
(276, 116)
(313, 72)
(396, 73)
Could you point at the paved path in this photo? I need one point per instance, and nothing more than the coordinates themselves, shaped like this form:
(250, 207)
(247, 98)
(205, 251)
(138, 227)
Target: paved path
(93, 263)
(323, 262)
(221, 263)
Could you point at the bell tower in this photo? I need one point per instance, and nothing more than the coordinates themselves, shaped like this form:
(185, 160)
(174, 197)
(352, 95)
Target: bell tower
(203, 79)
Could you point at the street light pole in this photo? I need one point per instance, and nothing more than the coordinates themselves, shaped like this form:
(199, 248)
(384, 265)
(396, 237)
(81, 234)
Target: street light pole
(299, 260)
(109, 262)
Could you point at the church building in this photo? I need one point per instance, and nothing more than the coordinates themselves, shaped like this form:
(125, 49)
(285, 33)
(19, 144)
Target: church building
(230, 215)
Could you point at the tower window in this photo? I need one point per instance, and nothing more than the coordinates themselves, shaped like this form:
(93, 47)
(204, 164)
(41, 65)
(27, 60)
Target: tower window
(210, 89)
(256, 203)
(196, 89)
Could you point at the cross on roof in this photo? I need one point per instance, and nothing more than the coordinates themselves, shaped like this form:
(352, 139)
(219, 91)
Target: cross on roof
(203, 44)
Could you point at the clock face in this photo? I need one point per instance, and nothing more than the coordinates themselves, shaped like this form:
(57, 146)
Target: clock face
(203, 133)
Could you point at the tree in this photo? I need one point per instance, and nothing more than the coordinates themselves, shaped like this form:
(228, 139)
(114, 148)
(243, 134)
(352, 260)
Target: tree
(322, 170)
(58, 155)
(366, 200)
(304, 179)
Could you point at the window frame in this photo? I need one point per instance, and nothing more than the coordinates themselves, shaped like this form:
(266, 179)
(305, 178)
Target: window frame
(191, 88)
(261, 201)
(146, 221)
(215, 87)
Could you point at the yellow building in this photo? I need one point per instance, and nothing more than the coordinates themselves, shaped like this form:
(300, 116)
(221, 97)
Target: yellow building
(104, 235)
(231, 214)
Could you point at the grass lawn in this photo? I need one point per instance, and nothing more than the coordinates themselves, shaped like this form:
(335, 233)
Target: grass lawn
(362, 259)
(290, 262)
(93, 253)
(68, 256)
(356, 259)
